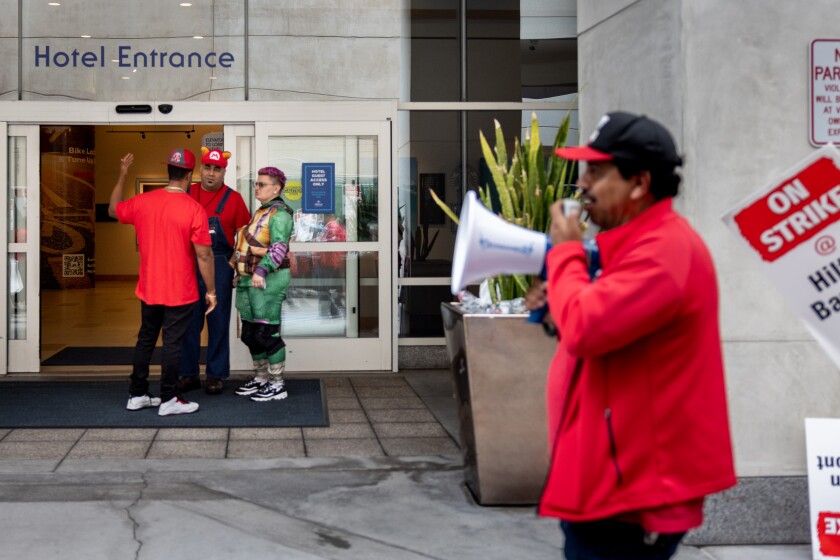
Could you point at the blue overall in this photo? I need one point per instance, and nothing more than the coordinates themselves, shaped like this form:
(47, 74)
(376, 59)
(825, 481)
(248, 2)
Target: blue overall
(218, 322)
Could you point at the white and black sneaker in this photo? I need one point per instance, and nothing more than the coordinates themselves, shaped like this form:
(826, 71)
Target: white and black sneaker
(271, 392)
(251, 387)
(177, 405)
(143, 401)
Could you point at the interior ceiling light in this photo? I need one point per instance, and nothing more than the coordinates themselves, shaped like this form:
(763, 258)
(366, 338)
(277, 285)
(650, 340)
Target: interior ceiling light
(53, 3)
(85, 36)
(185, 4)
(198, 37)
(125, 78)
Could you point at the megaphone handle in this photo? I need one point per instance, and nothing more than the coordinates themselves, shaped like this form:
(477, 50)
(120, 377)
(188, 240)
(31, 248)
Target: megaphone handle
(537, 315)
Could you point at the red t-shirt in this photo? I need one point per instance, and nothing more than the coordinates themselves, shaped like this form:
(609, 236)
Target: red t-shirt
(234, 215)
(167, 225)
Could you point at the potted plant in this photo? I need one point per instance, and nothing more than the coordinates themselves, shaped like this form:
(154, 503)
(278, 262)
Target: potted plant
(499, 362)
(526, 186)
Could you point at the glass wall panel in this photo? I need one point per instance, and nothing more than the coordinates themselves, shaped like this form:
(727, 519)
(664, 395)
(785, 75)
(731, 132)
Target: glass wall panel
(16, 229)
(435, 50)
(332, 294)
(548, 69)
(420, 310)
(493, 58)
(516, 50)
(17, 195)
(427, 236)
(17, 296)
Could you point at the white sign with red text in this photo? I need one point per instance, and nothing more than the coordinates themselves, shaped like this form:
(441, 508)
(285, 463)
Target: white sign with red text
(793, 227)
(822, 446)
(825, 91)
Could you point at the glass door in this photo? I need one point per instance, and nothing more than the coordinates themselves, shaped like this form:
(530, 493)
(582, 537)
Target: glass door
(4, 248)
(21, 239)
(338, 314)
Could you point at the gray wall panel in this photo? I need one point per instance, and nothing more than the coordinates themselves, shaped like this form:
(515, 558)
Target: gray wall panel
(731, 82)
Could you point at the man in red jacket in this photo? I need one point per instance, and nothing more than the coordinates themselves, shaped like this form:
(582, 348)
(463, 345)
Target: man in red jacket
(637, 413)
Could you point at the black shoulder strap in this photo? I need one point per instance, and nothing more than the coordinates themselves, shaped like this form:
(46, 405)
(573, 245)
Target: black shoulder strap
(222, 202)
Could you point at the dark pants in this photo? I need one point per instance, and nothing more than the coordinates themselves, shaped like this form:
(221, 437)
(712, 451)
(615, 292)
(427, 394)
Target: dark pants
(174, 322)
(218, 327)
(610, 539)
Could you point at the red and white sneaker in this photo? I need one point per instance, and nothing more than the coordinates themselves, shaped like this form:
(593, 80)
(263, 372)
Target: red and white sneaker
(177, 405)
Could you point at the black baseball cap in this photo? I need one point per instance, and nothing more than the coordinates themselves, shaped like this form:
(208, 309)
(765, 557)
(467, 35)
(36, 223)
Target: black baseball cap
(626, 136)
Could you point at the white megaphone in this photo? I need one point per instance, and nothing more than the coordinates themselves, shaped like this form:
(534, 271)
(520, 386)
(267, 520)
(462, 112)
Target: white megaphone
(487, 245)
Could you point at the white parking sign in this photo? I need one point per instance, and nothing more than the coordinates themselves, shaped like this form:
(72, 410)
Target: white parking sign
(825, 91)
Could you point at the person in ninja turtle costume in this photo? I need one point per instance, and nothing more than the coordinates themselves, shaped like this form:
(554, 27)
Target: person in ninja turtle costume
(261, 262)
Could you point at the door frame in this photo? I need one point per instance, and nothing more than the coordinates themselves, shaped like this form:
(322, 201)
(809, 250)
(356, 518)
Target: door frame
(4, 247)
(361, 354)
(23, 355)
(234, 113)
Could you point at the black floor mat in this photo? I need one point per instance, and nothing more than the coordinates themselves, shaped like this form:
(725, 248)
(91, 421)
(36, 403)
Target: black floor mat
(102, 404)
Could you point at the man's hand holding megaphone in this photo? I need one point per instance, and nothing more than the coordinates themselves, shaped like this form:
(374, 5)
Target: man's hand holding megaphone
(565, 226)
(565, 222)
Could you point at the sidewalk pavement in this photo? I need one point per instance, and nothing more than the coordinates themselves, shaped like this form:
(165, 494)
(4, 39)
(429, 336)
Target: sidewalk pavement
(376, 506)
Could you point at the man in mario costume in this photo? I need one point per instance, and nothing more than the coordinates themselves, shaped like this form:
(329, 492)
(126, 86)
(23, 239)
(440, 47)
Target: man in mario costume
(226, 212)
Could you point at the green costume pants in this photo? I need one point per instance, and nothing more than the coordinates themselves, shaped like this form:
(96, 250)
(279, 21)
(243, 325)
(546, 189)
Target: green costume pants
(260, 310)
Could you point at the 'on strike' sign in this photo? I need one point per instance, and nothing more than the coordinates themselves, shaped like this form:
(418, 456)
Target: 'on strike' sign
(792, 227)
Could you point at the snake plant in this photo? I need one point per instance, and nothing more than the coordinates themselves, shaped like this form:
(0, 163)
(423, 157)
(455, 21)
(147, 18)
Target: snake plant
(527, 182)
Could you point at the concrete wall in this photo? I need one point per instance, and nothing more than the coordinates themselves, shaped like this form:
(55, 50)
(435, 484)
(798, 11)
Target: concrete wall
(296, 50)
(731, 81)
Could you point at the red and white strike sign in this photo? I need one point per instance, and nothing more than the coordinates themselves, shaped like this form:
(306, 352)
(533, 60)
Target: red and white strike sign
(792, 227)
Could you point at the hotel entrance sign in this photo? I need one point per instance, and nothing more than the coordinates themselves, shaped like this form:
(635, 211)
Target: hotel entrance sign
(825, 91)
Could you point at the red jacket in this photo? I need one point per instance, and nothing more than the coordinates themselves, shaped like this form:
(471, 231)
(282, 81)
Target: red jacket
(637, 413)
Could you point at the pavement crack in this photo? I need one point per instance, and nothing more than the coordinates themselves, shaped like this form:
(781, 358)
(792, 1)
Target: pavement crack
(135, 526)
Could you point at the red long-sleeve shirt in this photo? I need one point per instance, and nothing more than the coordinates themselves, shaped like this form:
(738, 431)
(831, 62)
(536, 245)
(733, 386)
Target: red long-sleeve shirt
(637, 415)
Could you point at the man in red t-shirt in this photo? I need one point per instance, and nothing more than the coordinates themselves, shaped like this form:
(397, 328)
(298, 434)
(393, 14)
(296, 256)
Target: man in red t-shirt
(171, 231)
(226, 212)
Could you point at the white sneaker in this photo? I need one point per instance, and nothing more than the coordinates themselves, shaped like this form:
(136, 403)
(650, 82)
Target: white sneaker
(176, 405)
(143, 401)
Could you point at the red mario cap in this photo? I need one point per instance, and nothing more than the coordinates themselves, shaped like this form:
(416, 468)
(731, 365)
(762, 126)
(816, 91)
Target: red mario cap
(214, 157)
(179, 157)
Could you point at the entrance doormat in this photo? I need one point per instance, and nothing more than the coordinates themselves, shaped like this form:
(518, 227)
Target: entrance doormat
(103, 356)
(101, 404)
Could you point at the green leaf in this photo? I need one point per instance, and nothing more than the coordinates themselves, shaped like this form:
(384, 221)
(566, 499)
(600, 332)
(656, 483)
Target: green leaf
(448, 211)
(498, 176)
(501, 149)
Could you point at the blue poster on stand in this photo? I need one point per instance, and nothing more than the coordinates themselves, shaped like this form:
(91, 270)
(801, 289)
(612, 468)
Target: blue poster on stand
(318, 188)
